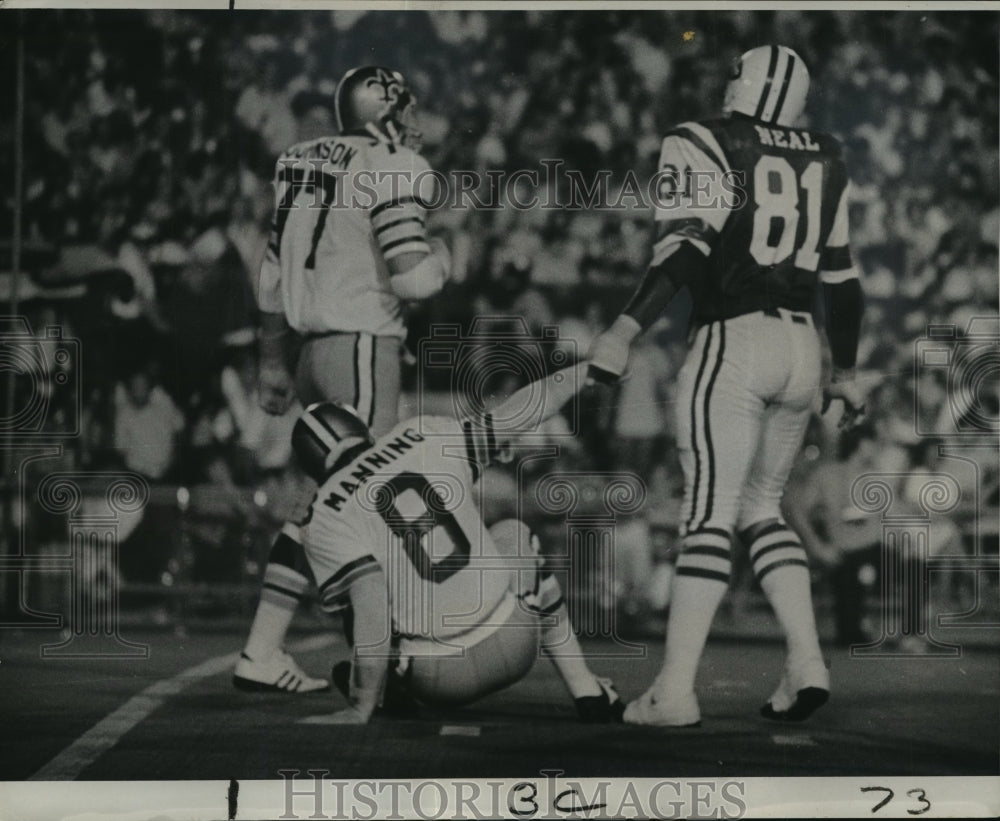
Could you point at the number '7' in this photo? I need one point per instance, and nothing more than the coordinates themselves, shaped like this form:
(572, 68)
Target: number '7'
(918, 793)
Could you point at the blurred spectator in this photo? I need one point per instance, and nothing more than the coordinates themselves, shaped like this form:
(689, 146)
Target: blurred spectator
(643, 409)
(261, 442)
(839, 535)
(147, 425)
(151, 137)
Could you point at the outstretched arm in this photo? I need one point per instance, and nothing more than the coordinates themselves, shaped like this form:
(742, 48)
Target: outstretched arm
(686, 231)
(544, 398)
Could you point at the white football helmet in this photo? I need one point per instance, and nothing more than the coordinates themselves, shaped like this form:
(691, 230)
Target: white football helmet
(768, 83)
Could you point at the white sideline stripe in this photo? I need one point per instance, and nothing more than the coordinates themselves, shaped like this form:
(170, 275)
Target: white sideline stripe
(107, 732)
(793, 741)
(460, 729)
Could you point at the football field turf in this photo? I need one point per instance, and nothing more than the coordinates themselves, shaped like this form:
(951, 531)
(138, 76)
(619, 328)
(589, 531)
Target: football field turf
(176, 716)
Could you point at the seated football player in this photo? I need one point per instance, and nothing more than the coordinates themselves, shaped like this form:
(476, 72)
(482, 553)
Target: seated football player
(449, 609)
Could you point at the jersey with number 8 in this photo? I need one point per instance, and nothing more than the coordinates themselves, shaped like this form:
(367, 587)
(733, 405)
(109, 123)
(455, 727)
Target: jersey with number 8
(766, 204)
(406, 506)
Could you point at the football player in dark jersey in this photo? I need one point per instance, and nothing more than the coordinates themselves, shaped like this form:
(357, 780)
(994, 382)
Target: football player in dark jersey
(752, 219)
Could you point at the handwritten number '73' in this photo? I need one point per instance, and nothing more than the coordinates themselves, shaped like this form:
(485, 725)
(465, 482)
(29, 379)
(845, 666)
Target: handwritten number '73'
(916, 794)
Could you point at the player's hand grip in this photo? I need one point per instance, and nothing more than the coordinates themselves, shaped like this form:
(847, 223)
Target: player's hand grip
(597, 375)
(848, 392)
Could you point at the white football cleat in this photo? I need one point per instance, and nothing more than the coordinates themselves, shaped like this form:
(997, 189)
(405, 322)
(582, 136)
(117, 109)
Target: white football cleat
(664, 711)
(803, 689)
(277, 674)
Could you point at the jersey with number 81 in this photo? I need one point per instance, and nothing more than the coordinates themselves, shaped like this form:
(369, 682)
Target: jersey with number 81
(406, 506)
(766, 204)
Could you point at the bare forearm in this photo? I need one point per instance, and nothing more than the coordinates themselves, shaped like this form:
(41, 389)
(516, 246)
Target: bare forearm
(556, 390)
(370, 601)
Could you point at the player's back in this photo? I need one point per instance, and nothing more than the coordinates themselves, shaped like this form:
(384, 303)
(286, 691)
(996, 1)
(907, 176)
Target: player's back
(335, 198)
(788, 186)
(408, 502)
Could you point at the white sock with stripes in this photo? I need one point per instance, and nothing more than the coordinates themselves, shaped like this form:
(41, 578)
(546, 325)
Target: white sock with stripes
(281, 591)
(558, 641)
(779, 563)
(700, 582)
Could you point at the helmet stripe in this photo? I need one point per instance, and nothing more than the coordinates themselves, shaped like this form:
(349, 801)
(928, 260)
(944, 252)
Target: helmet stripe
(326, 426)
(326, 438)
(784, 88)
(771, 66)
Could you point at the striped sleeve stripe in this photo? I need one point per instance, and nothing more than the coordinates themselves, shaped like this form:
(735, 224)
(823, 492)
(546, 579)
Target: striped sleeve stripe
(702, 139)
(549, 609)
(480, 439)
(470, 449)
(292, 594)
(284, 575)
(421, 246)
(694, 230)
(835, 259)
(337, 586)
(491, 440)
(396, 223)
(395, 203)
(411, 239)
(836, 277)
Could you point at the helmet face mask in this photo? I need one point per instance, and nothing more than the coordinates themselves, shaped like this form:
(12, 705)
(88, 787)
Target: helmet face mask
(768, 83)
(379, 101)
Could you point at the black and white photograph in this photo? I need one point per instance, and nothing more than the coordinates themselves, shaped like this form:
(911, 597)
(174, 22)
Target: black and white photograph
(464, 410)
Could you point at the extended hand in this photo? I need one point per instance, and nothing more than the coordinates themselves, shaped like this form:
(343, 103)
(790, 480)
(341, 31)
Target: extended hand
(846, 389)
(608, 355)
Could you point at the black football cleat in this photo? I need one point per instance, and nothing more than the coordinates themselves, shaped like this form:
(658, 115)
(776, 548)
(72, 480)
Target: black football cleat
(607, 708)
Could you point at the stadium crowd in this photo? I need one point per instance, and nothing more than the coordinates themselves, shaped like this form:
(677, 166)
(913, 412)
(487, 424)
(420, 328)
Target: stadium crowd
(149, 149)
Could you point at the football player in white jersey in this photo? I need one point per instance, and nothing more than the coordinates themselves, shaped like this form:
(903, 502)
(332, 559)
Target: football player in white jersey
(455, 609)
(348, 248)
